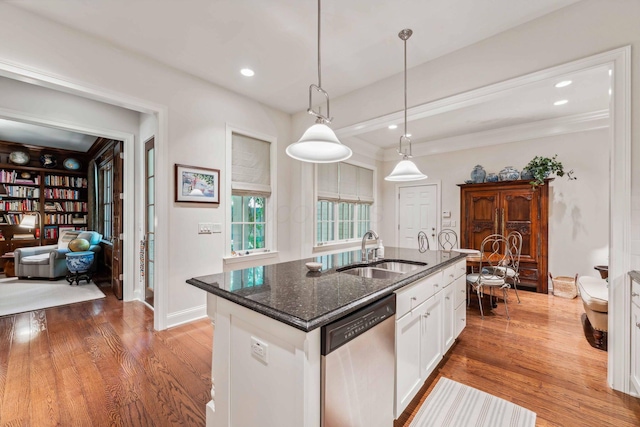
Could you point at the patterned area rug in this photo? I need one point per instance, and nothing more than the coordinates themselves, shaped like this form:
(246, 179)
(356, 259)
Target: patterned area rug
(451, 404)
(18, 296)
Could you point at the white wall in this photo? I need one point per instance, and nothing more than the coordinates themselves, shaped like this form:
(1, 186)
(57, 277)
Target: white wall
(64, 108)
(578, 209)
(197, 114)
(578, 31)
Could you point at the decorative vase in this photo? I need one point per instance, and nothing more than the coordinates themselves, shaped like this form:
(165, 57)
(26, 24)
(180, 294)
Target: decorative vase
(79, 262)
(492, 177)
(509, 173)
(526, 174)
(478, 174)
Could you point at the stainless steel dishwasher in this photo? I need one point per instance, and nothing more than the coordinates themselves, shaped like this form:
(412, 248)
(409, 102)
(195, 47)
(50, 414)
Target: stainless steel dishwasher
(358, 367)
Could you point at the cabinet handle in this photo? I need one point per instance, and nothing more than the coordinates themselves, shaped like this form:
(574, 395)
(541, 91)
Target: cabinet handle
(451, 275)
(436, 285)
(413, 298)
(634, 294)
(447, 298)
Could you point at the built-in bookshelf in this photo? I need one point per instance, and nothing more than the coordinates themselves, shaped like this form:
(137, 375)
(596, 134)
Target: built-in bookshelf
(59, 196)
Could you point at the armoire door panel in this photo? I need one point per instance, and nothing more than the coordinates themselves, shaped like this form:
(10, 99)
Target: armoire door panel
(504, 207)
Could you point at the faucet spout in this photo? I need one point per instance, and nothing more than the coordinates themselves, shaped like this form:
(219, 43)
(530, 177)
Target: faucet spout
(363, 252)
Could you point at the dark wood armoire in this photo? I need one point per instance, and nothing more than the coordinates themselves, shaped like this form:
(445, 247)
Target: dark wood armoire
(502, 207)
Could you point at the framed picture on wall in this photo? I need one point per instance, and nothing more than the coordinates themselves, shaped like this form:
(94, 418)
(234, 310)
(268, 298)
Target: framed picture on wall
(197, 185)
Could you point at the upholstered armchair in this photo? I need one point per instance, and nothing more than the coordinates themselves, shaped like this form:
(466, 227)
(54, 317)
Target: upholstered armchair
(50, 261)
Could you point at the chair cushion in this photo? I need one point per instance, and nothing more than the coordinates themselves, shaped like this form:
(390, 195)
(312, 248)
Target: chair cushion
(93, 237)
(485, 279)
(40, 259)
(594, 293)
(66, 237)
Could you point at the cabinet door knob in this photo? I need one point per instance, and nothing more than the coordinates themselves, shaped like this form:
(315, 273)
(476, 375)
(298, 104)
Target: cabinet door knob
(413, 298)
(447, 298)
(634, 294)
(638, 325)
(436, 285)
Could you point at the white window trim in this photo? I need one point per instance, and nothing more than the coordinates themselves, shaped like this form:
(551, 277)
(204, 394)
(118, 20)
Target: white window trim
(270, 251)
(347, 243)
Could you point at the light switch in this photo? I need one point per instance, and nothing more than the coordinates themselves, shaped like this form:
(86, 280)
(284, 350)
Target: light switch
(446, 214)
(205, 228)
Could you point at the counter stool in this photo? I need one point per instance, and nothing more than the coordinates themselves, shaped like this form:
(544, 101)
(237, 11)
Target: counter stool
(79, 266)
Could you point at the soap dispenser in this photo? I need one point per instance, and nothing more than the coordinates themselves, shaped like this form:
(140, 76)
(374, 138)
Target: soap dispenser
(380, 249)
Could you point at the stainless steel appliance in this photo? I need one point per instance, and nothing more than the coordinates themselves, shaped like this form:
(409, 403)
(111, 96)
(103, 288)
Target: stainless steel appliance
(358, 367)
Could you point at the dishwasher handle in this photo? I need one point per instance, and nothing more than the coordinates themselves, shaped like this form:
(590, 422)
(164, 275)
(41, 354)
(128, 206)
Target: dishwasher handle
(338, 333)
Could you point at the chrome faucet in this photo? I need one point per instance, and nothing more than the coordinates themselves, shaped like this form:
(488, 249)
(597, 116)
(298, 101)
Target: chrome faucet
(364, 254)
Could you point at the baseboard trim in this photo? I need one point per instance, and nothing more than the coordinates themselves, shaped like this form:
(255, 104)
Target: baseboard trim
(186, 316)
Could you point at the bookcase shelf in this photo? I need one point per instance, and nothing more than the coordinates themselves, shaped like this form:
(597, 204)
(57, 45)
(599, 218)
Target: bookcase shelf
(60, 197)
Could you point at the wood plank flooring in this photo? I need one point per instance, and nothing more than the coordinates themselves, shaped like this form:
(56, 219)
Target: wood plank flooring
(100, 363)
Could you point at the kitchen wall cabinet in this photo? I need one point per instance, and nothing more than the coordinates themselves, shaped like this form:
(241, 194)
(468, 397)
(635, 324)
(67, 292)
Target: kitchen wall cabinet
(504, 207)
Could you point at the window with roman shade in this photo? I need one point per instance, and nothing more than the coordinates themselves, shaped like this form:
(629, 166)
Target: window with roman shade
(250, 191)
(345, 196)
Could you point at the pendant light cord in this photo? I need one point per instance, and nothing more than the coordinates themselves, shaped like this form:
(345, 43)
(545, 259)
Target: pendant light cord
(319, 63)
(405, 94)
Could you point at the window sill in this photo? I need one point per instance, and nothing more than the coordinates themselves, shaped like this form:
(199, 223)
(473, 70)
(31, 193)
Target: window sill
(227, 260)
(332, 247)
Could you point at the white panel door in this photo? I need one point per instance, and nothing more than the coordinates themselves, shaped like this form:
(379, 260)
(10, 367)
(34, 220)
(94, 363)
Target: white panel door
(417, 212)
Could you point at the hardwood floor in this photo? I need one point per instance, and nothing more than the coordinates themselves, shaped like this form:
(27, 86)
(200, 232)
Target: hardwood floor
(100, 363)
(540, 360)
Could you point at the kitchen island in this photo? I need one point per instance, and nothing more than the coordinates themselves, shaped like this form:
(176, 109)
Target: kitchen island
(267, 342)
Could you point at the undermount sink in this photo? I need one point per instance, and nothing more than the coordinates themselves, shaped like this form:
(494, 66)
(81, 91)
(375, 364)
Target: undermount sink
(373, 272)
(403, 267)
(383, 270)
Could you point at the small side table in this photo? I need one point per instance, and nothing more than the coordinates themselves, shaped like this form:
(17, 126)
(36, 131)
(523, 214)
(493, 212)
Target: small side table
(9, 264)
(79, 266)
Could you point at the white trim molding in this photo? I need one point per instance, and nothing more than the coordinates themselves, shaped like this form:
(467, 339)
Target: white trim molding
(86, 90)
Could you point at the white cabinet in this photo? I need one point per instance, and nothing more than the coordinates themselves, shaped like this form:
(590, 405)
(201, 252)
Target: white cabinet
(427, 323)
(635, 335)
(448, 317)
(431, 339)
(408, 350)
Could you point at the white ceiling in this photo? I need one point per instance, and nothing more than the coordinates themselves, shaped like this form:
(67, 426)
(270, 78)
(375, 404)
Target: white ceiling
(588, 92)
(29, 134)
(213, 39)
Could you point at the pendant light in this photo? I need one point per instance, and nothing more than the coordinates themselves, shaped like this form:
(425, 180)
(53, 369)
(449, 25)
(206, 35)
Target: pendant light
(405, 170)
(319, 144)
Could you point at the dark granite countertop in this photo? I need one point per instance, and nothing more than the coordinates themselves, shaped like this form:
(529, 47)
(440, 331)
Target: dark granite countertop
(635, 275)
(290, 293)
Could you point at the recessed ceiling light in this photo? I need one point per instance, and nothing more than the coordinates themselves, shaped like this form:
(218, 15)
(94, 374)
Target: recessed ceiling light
(563, 83)
(247, 72)
(393, 126)
(561, 102)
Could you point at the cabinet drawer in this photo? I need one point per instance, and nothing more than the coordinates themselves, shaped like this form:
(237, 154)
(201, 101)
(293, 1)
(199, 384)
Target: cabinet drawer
(413, 295)
(454, 271)
(461, 290)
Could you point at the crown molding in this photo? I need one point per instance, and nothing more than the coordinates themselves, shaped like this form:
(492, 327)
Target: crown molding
(523, 132)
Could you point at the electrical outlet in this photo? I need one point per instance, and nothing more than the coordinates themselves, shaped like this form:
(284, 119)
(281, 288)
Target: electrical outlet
(205, 228)
(260, 350)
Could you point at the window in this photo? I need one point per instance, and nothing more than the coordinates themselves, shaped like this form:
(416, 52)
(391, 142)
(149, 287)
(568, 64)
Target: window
(105, 177)
(250, 193)
(247, 223)
(345, 197)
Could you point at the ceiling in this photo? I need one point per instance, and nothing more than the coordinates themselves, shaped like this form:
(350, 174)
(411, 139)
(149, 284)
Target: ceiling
(29, 134)
(214, 39)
